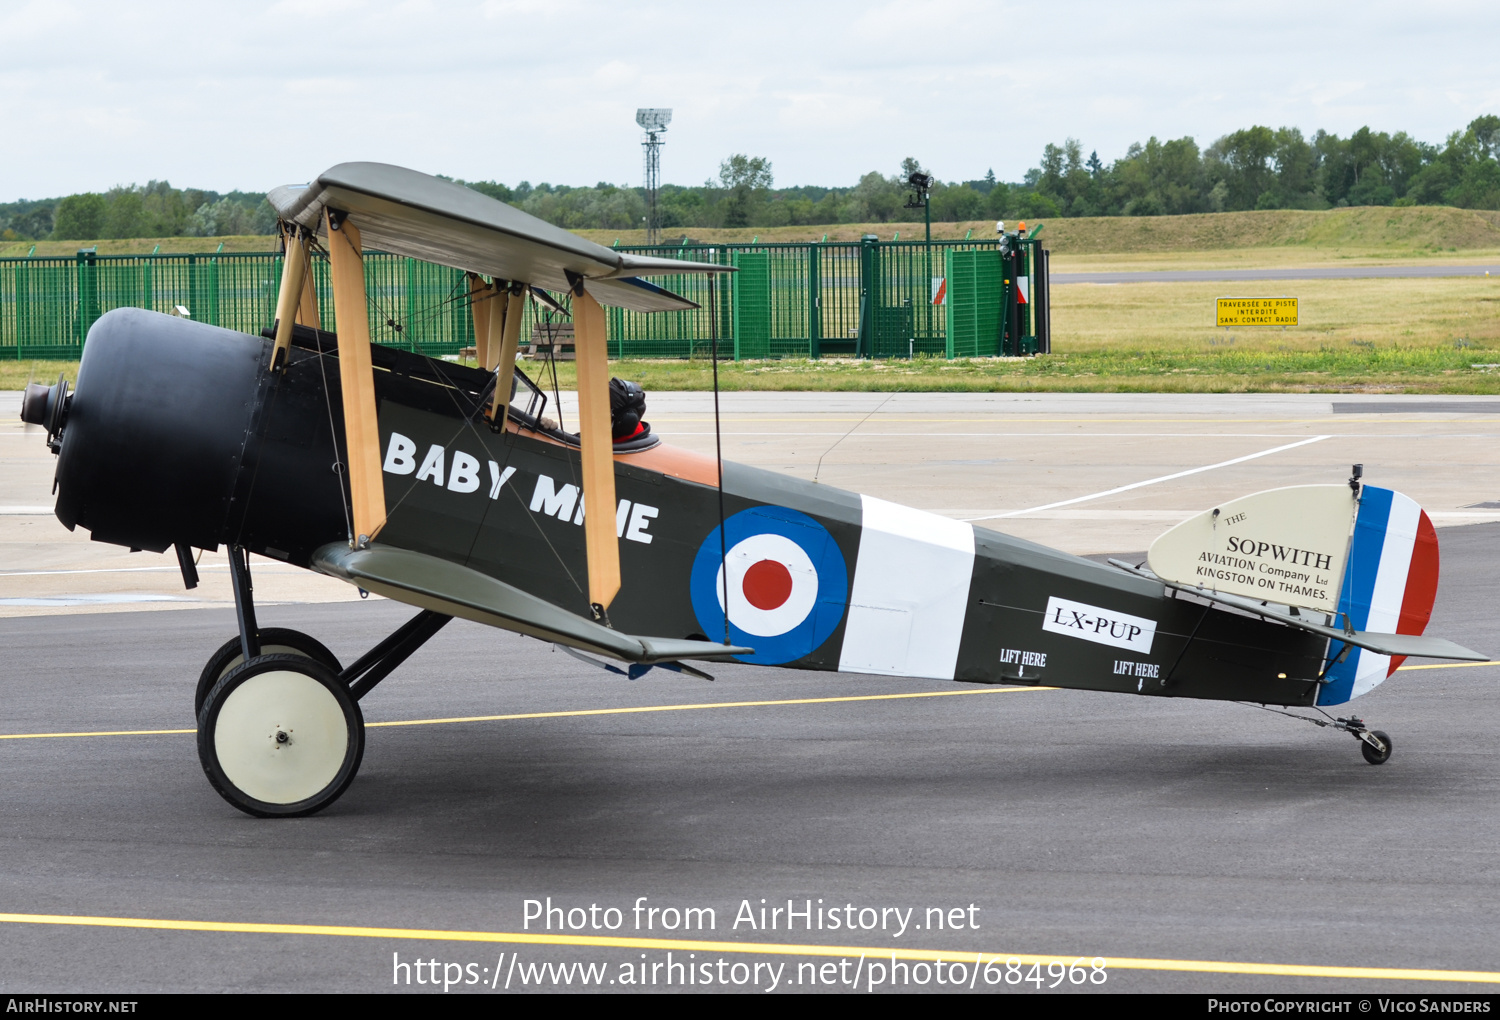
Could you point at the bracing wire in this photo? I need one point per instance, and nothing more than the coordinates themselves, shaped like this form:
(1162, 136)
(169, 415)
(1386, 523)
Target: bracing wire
(846, 435)
(713, 335)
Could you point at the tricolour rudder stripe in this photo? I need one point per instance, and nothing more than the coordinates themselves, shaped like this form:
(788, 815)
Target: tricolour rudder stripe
(1389, 586)
(1421, 585)
(910, 593)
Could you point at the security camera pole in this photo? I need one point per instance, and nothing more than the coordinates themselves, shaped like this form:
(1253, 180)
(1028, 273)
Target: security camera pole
(922, 184)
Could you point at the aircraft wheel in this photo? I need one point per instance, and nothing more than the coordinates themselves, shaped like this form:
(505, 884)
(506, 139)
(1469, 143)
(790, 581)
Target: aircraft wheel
(280, 736)
(273, 641)
(1373, 756)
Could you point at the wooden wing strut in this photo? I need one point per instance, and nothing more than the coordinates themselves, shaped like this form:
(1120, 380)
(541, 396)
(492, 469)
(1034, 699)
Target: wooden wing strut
(591, 343)
(290, 299)
(482, 306)
(505, 343)
(357, 379)
(307, 310)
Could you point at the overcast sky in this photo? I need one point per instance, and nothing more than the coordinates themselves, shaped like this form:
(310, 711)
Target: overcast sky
(249, 94)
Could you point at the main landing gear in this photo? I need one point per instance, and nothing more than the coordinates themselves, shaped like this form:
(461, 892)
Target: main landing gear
(280, 733)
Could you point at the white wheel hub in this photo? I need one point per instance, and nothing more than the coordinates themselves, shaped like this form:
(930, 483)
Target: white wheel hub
(281, 737)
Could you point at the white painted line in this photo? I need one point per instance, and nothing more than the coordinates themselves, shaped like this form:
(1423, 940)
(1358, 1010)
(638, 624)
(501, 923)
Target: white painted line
(914, 434)
(92, 600)
(1152, 481)
(258, 568)
(25, 511)
(98, 570)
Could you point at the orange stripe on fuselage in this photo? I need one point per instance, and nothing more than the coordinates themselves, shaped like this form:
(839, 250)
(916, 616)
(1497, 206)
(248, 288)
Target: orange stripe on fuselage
(673, 461)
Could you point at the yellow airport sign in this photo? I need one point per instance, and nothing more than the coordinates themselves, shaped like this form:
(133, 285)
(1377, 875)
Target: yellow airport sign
(1275, 311)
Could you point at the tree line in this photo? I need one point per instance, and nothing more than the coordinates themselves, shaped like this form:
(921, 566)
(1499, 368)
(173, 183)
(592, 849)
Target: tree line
(1254, 168)
(1258, 168)
(154, 210)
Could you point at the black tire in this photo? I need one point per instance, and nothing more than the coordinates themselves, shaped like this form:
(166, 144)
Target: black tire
(1373, 756)
(280, 736)
(273, 641)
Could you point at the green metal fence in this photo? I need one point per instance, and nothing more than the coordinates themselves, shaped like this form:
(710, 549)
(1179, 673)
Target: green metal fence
(48, 304)
(869, 298)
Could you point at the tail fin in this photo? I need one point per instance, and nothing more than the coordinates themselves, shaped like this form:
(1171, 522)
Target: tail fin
(1390, 584)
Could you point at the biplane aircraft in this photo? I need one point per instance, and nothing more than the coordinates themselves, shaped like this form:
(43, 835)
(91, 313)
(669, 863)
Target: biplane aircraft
(448, 488)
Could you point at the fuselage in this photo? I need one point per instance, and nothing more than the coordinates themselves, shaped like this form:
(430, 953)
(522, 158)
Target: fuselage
(178, 432)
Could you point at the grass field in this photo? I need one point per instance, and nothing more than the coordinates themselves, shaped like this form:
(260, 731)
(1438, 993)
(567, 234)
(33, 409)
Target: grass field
(1412, 336)
(1269, 238)
(141, 245)
(1373, 232)
(1398, 336)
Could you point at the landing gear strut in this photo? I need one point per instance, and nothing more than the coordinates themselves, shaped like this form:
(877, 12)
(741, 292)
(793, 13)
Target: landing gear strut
(1375, 745)
(280, 733)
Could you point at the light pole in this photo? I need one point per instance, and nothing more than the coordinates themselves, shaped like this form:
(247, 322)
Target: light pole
(654, 121)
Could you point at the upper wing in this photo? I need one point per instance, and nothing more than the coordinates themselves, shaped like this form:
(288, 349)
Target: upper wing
(446, 587)
(424, 217)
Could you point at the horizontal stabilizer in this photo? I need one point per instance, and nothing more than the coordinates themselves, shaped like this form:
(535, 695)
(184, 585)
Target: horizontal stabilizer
(1384, 644)
(434, 583)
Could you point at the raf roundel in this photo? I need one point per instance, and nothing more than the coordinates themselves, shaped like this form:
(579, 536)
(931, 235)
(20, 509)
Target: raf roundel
(786, 581)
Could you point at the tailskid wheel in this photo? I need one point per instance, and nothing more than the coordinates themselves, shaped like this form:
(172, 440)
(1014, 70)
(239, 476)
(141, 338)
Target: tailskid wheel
(273, 641)
(280, 736)
(1373, 754)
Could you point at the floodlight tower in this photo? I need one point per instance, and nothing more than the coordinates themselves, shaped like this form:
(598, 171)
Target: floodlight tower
(654, 122)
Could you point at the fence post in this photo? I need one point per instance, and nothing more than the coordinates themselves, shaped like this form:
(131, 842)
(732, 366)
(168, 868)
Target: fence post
(726, 297)
(1028, 269)
(867, 270)
(408, 308)
(194, 305)
(88, 292)
(23, 305)
(950, 256)
(1044, 310)
(10, 277)
(814, 300)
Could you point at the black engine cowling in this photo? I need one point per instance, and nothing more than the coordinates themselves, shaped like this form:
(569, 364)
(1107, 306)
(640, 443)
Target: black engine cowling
(179, 433)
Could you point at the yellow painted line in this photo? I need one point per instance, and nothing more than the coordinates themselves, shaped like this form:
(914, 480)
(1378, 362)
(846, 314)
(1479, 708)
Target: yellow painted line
(767, 948)
(576, 712)
(1448, 665)
(712, 704)
(644, 708)
(90, 733)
